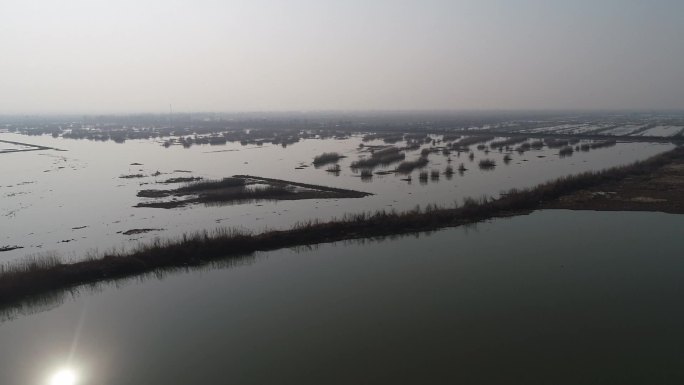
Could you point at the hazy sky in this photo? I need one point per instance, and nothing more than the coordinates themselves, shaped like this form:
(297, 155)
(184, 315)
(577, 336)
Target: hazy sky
(222, 55)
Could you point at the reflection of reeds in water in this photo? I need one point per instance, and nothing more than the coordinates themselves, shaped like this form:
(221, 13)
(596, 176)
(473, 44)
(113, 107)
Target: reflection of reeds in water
(434, 175)
(334, 169)
(507, 159)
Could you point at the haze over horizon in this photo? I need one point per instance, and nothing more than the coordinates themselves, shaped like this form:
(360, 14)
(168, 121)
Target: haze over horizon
(84, 56)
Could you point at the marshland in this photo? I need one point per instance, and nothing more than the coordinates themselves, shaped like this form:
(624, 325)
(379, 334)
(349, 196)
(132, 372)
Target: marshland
(205, 211)
(341, 192)
(129, 182)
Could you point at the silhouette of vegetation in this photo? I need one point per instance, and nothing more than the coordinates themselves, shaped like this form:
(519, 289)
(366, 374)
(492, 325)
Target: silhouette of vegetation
(506, 142)
(521, 149)
(9, 248)
(327, 157)
(565, 151)
(408, 166)
(181, 180)
(487, 164)
(243, 188)
(382, 157)
(423, 176)
(464, 143)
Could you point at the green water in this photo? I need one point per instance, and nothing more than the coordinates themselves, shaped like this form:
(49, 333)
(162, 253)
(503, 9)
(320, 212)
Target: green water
(556, 297)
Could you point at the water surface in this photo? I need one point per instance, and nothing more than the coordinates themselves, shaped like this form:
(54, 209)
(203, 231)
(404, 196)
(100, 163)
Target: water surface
(555, 297)
(74, 201)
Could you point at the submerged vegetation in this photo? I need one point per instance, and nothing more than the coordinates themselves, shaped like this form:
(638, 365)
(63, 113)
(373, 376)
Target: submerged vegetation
(39, 276)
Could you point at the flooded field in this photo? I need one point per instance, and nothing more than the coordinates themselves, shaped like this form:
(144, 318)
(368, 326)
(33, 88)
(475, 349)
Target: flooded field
(75, 197)
(555, 291)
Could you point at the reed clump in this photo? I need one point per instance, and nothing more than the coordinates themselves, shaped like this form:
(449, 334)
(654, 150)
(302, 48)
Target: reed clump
(326, 158)
(408, 166)
(487, 164)
(566, 151)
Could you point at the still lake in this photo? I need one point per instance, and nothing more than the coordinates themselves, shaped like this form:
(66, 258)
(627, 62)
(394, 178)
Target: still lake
(554, 297)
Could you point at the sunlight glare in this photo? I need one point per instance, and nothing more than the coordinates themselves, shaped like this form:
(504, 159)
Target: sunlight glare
(64, 377)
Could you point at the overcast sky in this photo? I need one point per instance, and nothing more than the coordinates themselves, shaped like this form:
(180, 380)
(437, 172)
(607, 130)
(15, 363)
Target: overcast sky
(220, 55)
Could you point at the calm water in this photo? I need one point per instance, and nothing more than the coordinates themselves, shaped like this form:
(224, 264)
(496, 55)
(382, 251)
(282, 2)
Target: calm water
(73, 201)
(555, 297)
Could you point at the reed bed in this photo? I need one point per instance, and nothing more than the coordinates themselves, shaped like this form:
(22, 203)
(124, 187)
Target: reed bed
(506, 142)
(382, 157)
